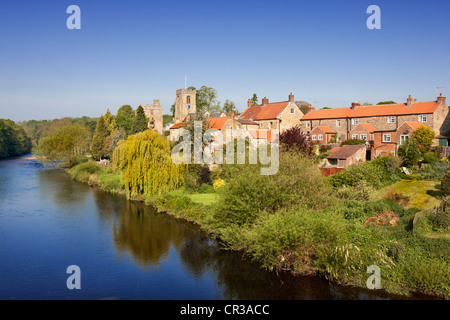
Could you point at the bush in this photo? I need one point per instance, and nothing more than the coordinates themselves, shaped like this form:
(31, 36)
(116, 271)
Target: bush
(298, 182)
(361, 191)
(83, 171)
(445, 183)
(292, 239)
(434, 171)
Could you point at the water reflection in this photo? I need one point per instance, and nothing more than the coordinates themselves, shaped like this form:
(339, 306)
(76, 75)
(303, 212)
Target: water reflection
(146, 236)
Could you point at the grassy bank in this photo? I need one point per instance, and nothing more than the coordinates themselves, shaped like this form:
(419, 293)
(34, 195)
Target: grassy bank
(285, 222)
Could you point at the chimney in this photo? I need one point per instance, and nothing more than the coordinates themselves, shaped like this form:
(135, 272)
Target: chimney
(355, 105)
(311, 108)
(410, 101)
(291, 97)
(249, 103)
(441, 100)
(265, 101)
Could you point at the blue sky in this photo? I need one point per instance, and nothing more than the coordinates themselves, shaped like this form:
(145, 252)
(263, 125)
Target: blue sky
(131, 52)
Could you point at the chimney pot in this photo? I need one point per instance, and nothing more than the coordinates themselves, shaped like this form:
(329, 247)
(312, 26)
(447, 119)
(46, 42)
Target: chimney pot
(441, 99)
(291, 97)
(410, 101)
(265, 101)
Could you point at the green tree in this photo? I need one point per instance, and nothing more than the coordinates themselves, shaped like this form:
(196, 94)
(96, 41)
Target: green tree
(254, 100)
(207, 100)
(140, 122)
(110, 122)
(424, 137)
(125, 118)
(98, 141)
(65, 145)
(386, 102)
(409, 152)
(145, 164)
(229, 106)
(13, 139)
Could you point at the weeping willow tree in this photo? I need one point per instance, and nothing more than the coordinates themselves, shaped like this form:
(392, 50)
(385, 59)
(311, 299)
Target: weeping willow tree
(146, 166)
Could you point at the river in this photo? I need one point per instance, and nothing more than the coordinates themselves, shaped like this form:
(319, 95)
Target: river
(124, 250)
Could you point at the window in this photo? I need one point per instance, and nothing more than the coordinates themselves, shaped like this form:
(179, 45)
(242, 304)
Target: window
(292, 110)
(422, 118)
(320, 137)
(403, 138)
(363, 137)
(314, 137)
(188, 99)
(386, 138)
(338, 122)
(270, 124)
(354, 136)
(308, 125)
(355, 121)
(391, 119)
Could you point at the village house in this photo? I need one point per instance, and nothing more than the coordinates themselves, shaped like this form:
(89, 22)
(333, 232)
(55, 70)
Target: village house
(323, 135)
(382, 126)
(275, 116)
(346, 155)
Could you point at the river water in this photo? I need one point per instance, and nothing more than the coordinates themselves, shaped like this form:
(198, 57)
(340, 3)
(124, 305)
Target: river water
(124, 250)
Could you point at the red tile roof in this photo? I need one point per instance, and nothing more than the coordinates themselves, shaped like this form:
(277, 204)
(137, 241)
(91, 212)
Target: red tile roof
(217, 123)
(246, 121)
(179, 125)
(326, 129)
(370, 128)
(415, 125)
(267, 112)
(262, 134)
(373, 111)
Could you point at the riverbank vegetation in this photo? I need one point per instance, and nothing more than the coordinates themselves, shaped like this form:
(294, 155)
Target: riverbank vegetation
(13, 139)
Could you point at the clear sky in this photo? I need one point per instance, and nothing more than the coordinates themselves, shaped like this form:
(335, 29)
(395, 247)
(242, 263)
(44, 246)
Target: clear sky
(131, 52)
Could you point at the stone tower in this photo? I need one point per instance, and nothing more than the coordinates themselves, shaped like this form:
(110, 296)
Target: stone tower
(155, 115)
(185, 104)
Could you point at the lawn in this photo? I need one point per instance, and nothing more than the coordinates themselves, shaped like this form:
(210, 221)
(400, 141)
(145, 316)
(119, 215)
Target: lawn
(419, 194)
(204, 198)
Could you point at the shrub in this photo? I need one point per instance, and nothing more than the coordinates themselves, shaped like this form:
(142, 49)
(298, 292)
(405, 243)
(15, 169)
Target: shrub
(82, 171)
(298, 182)
(218, 183)
(434, 171)
(353, 142)
(445, 183)
(361, 191)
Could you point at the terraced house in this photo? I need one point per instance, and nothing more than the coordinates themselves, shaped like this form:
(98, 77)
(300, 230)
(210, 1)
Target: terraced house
(383, 126)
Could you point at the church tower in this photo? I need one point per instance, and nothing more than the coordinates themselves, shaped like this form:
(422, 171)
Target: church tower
(185, 104)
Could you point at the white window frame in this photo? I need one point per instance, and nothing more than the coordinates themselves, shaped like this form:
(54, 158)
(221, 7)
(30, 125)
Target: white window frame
(338, 122)
(402, 138)
(313, 137)
(355, 121)
(391, 119)
(354, 136)
(385, 136)
(422, 118)
(292, 110)
(308, 124)
(363, 137)
(320, 137)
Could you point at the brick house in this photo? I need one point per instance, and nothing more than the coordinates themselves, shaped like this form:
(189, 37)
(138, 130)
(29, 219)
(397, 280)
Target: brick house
(383, 117)
(363, 131)
(322, 135)
(276, 116)
(345, 156)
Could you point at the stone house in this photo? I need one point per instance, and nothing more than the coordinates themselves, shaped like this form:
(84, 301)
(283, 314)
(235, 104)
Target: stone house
(383, 117)
(275, 116)
(154, 113)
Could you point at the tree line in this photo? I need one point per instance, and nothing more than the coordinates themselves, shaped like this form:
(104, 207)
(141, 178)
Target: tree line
(13, 139)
